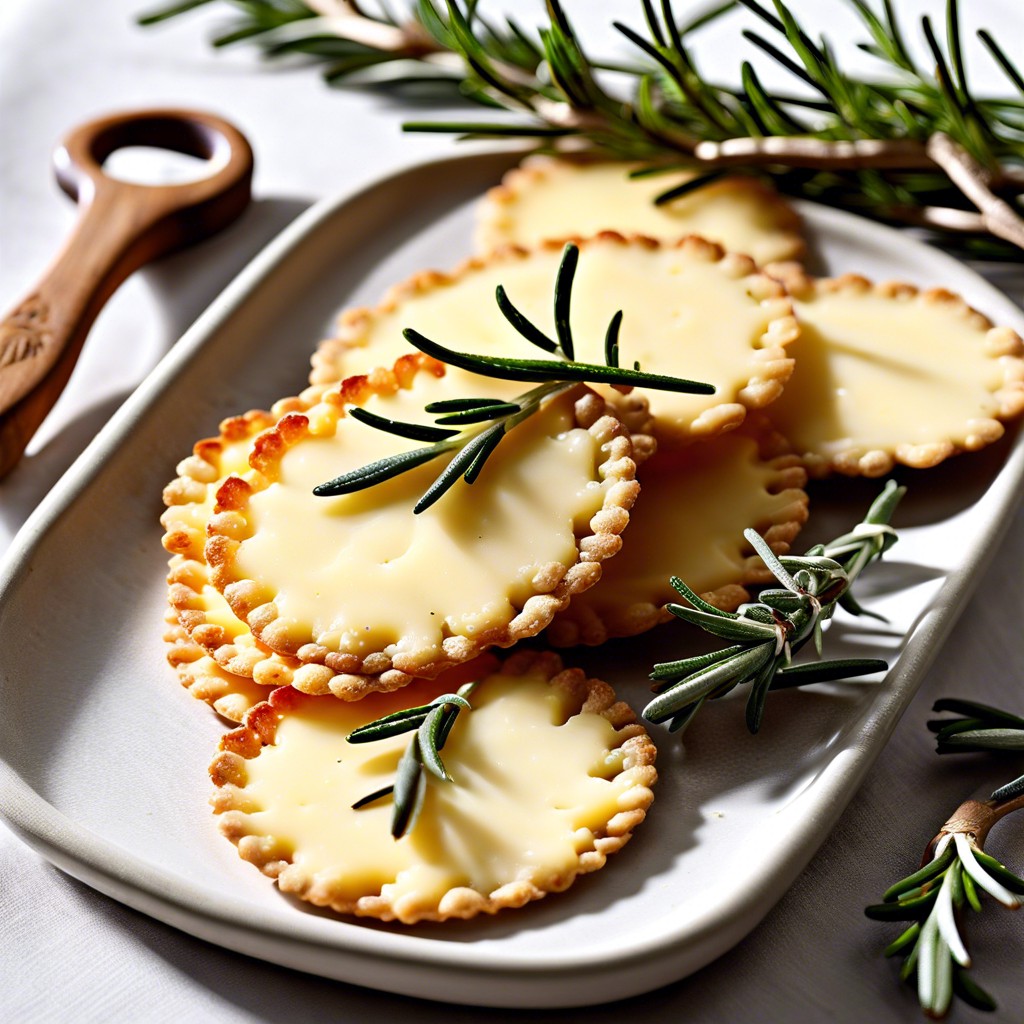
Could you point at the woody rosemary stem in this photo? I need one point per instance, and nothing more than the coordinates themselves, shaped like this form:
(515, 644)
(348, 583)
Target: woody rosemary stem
(996, 215)
(976, 819)
(932, 905)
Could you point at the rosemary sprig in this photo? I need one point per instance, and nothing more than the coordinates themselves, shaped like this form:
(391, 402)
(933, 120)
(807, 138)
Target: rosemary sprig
(419, 51)
(766, 633)
(489, 420)
(432, 724)
(934, 899)
(955, 867)
(915, 145)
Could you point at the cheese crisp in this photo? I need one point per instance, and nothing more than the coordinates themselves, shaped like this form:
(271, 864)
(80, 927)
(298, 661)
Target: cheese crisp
(550, 775)
(888, 374)
(549, 198)
(689, 310)
(696, 503)
(360, 584)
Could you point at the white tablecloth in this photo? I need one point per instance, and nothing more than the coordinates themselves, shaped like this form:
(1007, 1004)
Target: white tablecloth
(71, 954)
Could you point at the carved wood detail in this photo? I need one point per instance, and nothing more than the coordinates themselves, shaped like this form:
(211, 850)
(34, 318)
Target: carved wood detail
(25, 332)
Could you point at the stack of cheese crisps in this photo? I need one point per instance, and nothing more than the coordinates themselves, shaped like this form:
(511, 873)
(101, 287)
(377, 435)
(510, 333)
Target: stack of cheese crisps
(281, 602)
(354, 596)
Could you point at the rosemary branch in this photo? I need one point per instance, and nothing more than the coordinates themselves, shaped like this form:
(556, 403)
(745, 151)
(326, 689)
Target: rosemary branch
(432, 723)
(954, 868)
(488, 420)
(915, 145)
(766, 633)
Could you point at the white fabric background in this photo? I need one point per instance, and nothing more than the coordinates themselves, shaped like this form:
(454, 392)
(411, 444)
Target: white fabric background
(69, 953)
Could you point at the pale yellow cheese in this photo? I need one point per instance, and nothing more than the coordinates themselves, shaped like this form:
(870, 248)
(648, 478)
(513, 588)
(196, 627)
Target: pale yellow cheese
(532, 785)
(559, 199)
(689, 522)
(363, 574)
(873, 372)
(683, 315)
(218, 612)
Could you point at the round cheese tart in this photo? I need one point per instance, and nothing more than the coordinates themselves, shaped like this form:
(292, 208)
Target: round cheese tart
(558, 198)
(364, 585)
(548, 775)
(689, 522)
(689, 310)
(887, 373)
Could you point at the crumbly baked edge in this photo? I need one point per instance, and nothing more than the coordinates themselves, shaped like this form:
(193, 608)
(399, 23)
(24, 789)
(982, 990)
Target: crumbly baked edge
(378, 671)
(241, 654)
(1001, 343)
(494, 216)
(228, 772)
(769, 366)
(196, 474)
(231, 696)
(581, 624)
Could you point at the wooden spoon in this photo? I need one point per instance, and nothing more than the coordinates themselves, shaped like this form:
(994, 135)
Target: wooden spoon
(122, 226)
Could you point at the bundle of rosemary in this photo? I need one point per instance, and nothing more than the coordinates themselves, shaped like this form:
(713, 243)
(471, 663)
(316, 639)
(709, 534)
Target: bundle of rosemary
(913, 144)
(955, 869)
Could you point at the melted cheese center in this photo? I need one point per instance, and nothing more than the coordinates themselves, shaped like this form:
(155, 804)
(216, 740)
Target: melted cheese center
(363, 574)
(570, 200)
(689, 523)
(532, 784)
(874, 372)
(682, 316)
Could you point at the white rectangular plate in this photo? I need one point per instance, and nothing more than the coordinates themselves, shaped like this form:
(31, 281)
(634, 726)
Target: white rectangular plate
(104, 757)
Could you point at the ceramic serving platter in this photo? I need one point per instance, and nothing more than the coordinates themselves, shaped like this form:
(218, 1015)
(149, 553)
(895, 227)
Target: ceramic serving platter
(104, 756)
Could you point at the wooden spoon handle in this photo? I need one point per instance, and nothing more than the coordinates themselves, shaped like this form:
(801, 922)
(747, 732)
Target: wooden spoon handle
(121, 227)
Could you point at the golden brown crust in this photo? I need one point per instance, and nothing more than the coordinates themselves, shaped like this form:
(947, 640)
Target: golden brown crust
(595, 621)
(554, 584)
(203, 469)
(1000, 344)
(498, 224)
(274, 857)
